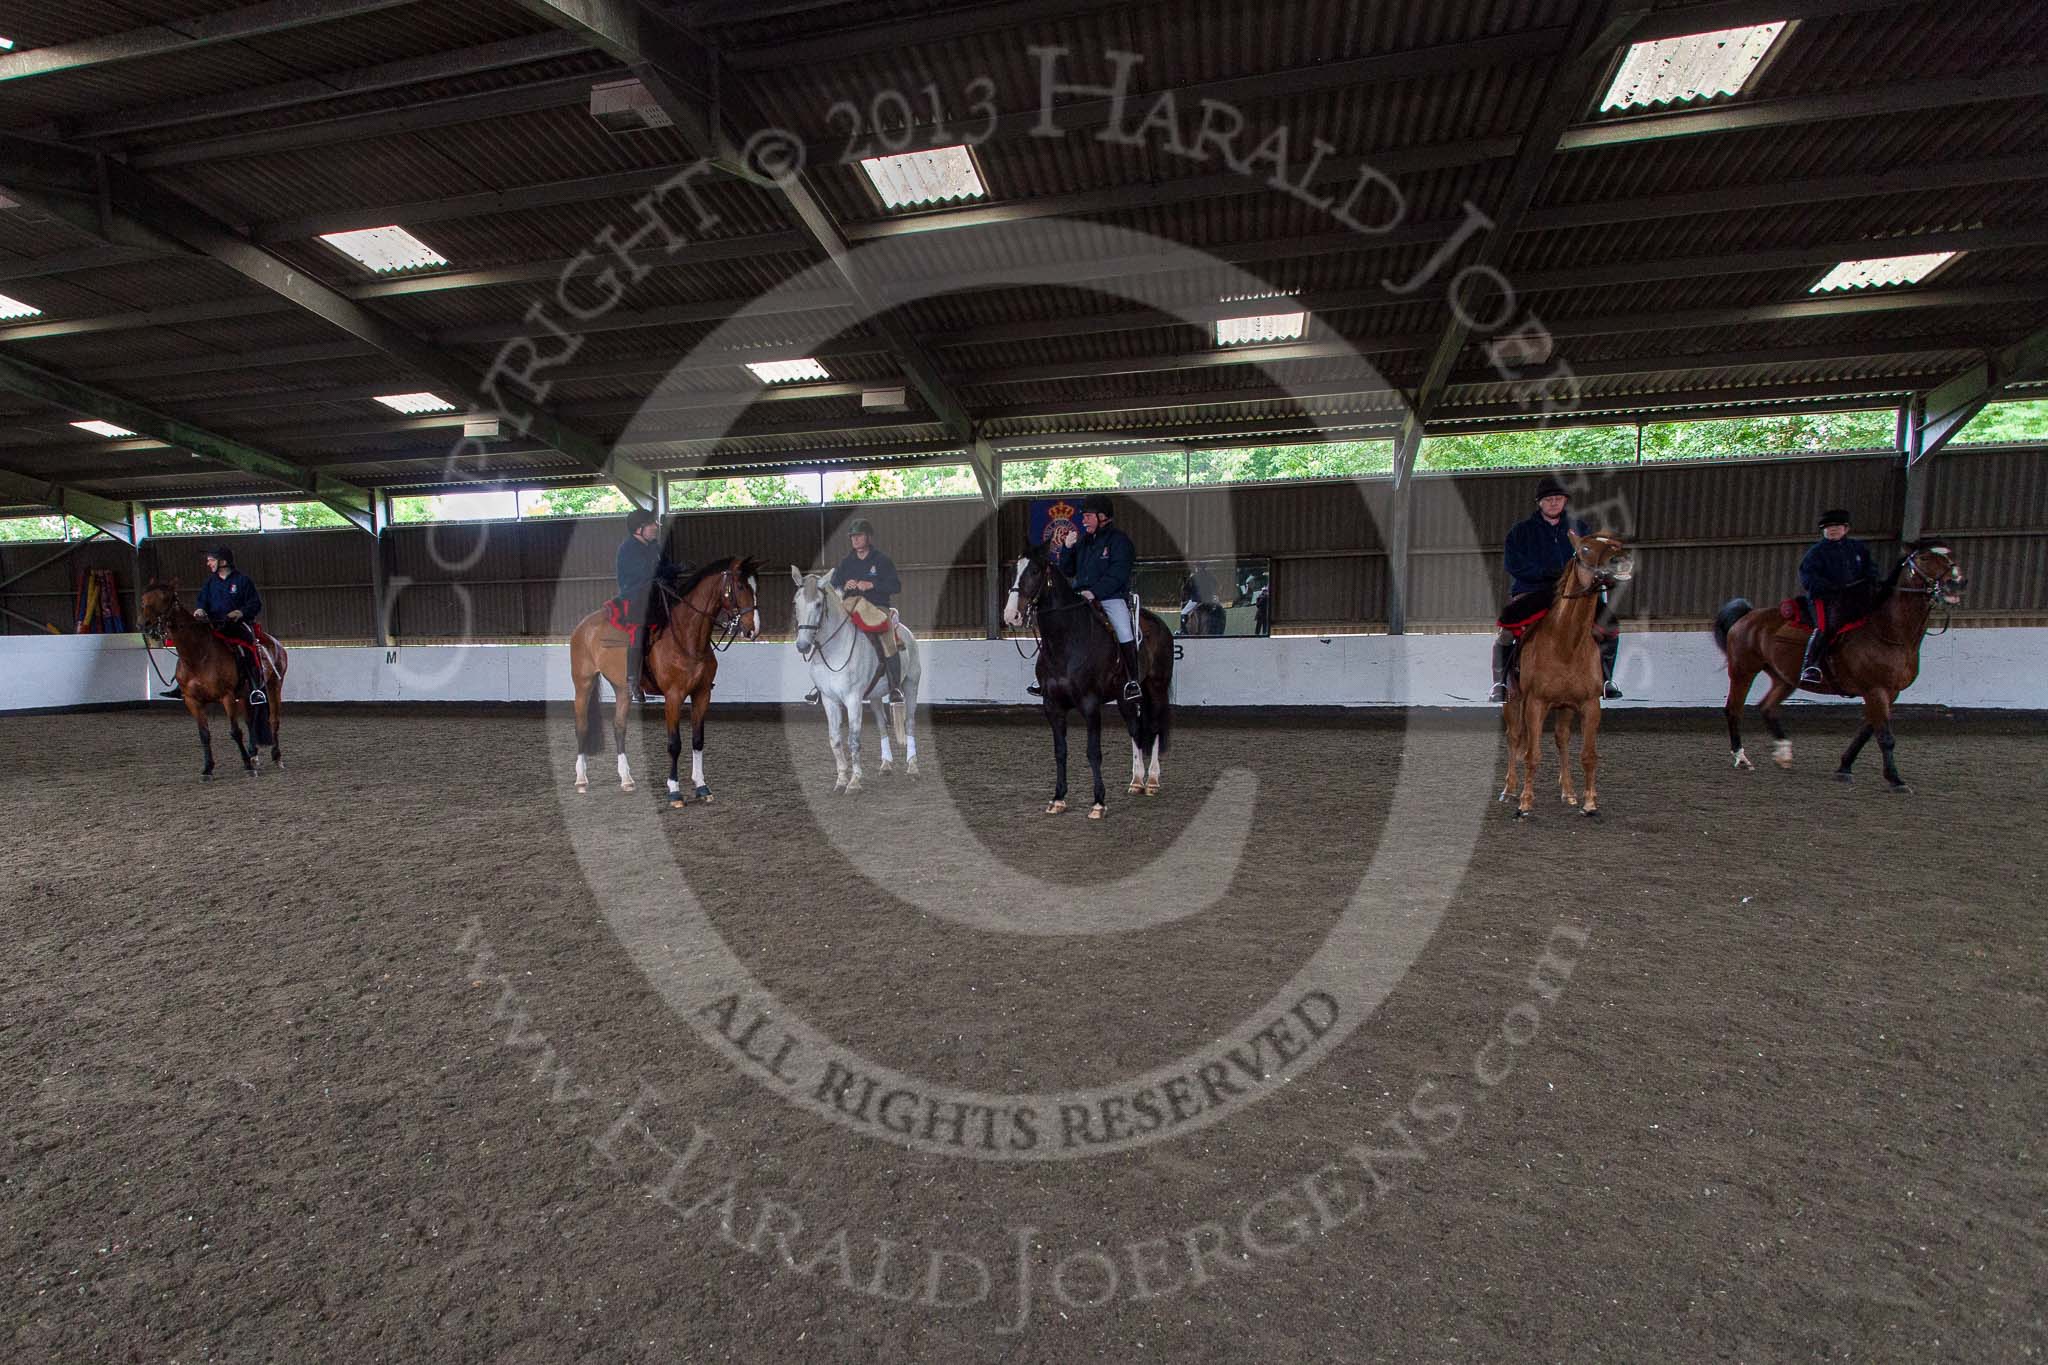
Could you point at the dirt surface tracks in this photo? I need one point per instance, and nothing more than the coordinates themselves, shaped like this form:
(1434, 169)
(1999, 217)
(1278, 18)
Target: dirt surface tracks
(355, 1062)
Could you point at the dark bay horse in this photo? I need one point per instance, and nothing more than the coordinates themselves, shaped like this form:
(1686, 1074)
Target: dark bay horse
(207, 675)
(1559, 671)
(722, 597)
(1081, 668)
(1875, 660)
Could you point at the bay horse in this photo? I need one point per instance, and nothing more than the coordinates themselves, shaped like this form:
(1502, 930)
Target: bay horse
(207, 675)
(1559, 670)
(1875, 659)
(1081, 668)
(682, 662)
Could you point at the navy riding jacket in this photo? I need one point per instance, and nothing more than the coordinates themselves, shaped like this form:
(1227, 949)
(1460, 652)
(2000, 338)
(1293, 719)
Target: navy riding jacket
(1103, 563)
(872, 567)
(1537, 551)
(639, 564)
(218, 596)
(1832, 567)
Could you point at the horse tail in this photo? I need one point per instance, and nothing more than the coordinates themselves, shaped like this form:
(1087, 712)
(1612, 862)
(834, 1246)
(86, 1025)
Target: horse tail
(1735, 609)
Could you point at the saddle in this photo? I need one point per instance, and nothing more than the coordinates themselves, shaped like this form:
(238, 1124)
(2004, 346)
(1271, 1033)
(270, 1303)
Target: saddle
(1523, 611)
(262, 654)
(1797, 613)
(620, 629)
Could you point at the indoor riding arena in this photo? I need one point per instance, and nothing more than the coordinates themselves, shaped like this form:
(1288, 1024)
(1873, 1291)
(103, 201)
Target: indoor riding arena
(786, 680)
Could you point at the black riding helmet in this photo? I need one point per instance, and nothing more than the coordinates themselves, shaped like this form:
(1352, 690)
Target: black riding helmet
(223, 554)
(1099, 504)
(639, 517)
(1834, 516)
(861, 526)
(1551, 488)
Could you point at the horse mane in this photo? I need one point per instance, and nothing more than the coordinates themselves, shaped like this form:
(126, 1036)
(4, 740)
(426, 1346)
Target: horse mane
(719, 564)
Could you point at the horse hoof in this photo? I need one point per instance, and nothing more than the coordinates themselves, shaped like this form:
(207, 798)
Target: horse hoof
(677, 803)
(910, 768)
(1845, 776)
(1590, 813)
(1742, 761)
(855, 786)
(1152, 787)
(583, 788)
(1096, 812)
(1055, 808)
(626, 784)
(1568, 798)
(888, 770)
(1525, 815)
(1136, 788)
(1901, 789)
(704, 795)
(206, 777)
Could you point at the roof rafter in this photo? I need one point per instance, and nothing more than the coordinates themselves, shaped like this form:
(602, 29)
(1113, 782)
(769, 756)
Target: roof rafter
(158, 40)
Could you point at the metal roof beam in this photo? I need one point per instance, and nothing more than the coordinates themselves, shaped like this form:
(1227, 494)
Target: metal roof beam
(677, 72)
(137, 197)
(117, 519)
(468, 61)
(185, 35)
(1600, 30)
(1951, 406)
(49, 386)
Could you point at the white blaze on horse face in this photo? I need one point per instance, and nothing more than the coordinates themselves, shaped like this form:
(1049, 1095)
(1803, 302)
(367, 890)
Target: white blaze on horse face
(1012, 617)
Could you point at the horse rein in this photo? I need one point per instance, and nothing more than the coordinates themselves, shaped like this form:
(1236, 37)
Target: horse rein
(819, 646)
(727, 618)
(1930, 588)
(1603, 576)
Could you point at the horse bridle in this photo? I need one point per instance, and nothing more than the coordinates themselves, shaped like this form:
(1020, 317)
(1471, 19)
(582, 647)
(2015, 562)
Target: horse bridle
(818, 646)
(726, 618)
(1603, 575)
(1931, 587)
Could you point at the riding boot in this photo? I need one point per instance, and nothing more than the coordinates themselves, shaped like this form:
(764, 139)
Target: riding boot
(175, 692)
(892, 665)
(635, 662)
(1034, 689)
(1502, 643)
(1809, 670)
(1610, 650)
(1134, 671)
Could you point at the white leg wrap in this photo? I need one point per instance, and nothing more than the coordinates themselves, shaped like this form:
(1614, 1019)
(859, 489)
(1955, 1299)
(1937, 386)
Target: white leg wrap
(696, 767)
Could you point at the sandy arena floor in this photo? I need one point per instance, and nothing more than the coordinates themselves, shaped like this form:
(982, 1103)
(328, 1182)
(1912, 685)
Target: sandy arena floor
(362, 1062)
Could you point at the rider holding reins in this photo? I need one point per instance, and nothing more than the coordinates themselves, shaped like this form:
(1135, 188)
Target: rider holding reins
(1538, 548)
(868, 580)
(229, 602)
(1838, 575)
(1101, 560)
(641, 565)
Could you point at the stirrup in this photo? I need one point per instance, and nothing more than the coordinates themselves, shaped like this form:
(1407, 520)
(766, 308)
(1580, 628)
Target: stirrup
(257, 697)
(1609, 692)
(1811, 674)
(1133, 690)
(1499, 692)
(1034, 689)
(173, 691)
(811, 697)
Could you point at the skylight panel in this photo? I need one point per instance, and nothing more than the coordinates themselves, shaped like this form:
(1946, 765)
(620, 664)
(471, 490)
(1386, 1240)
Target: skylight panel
(413, 404)
(103, 428)
(1882, 272)
(1262, 327)
(15, 308)
(787, 371)
(385, 249)
(914, 179)
(1697, 66)
(6, 44)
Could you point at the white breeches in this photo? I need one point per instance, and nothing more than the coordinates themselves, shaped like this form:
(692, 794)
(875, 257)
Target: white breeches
(1119, 611)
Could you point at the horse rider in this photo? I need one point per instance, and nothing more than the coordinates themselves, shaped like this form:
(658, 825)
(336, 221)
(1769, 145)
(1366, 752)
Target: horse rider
(1198, 593)
(1537, 550)
(228, 600)
(1838, 575)
(867, 579)
(641, 565)
(1100, 560)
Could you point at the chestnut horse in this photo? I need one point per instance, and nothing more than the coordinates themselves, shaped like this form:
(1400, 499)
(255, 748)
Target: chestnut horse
(682, 662)
(1559, 670)
(1876, 660)
(1080, 667)
(207, 674)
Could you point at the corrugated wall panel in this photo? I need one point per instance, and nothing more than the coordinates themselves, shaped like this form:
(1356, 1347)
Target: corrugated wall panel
(2006, 573)
(1989, 490)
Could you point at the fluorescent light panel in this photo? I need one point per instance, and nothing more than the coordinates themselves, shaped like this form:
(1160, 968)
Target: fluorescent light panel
(413, 404)
(103, 428)
(787, 371)
(385, 249)
(1882, 272)
(1695, 67)
(914, 179)
(1263, 327)
(15, 308)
